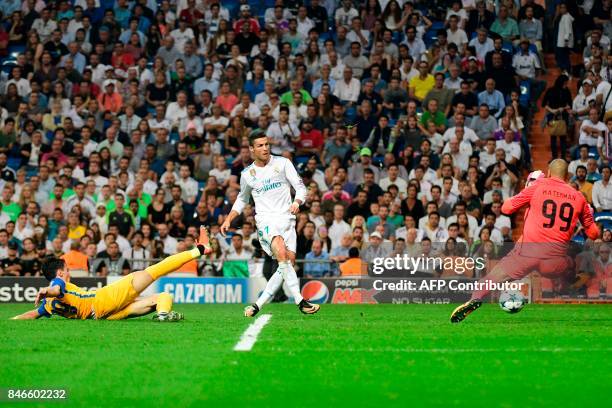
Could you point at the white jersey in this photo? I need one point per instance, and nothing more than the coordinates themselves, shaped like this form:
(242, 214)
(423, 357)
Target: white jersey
(270, 187)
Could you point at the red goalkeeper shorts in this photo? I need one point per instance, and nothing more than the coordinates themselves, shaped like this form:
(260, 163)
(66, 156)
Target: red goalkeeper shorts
(517, 266)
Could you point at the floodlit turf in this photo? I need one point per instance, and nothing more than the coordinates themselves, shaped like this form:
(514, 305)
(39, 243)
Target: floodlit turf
(380, 355)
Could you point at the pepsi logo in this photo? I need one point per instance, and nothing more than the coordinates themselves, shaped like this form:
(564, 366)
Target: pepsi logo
(315, 292)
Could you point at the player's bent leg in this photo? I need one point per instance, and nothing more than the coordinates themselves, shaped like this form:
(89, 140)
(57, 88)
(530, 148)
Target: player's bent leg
(290, 277)
(140, 307)
(142, 279)
(273, 285)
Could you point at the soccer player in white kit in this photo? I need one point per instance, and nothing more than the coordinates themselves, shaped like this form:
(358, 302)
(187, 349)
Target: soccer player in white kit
(269, 180)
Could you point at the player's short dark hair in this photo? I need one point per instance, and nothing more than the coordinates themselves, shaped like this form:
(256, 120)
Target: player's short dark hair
(254, 135)
(51, 266)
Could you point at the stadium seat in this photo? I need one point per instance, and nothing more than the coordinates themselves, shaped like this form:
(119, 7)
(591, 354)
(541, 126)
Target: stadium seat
(533, 48)
(525, 87)
(301, 160)
(16, 49)
(436, 25)
(8, 65)
(508, 47)
(14, 163)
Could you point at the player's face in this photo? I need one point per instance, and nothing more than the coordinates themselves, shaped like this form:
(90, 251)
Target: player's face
(261, 149)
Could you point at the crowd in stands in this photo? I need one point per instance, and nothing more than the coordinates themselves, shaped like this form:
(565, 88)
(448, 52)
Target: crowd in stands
(124, 124)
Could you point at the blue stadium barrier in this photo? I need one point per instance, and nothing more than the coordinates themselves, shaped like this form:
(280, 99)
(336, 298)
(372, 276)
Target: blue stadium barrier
(430, 37)
(533, 48)
(605, 218)
(593, 153)
(16, 49)
(14, 163)
(301, 161)
(525, 97)
(7, 65)
(436, 25)
(508, 47)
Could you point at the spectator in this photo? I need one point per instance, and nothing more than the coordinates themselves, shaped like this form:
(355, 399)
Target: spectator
(316, 263)
(602, 192)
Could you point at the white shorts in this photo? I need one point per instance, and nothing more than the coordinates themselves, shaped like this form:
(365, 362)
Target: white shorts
(270, 227)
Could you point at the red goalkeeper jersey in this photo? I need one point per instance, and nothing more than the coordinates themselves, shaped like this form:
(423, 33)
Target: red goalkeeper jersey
(554, 209)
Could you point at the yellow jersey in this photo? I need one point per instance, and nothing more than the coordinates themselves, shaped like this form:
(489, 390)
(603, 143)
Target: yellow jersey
(73, 302)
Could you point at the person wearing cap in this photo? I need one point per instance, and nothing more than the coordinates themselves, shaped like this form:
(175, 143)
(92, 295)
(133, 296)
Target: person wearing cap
(584, 100)
(356, 171)
(245, 18)
(110, 100)
(375, 249)
(527, 66)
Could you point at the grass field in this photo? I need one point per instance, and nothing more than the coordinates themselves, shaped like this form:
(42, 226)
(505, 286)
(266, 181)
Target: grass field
(381, 355)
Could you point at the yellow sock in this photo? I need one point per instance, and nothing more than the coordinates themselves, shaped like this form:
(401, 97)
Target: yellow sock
(172, 263)
(164, 303)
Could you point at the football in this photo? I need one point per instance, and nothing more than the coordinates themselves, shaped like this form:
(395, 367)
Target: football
(512, 301)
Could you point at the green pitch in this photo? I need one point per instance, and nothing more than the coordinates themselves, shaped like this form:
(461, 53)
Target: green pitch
(381, 355)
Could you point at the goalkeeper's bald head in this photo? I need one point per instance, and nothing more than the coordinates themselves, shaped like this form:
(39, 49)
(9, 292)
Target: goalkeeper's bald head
(558, 168)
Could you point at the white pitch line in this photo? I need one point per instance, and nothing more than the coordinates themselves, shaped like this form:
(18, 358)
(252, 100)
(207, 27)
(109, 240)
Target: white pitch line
(249, 337)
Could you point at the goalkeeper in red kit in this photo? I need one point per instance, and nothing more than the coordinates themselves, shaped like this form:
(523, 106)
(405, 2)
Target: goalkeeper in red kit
(554, 208)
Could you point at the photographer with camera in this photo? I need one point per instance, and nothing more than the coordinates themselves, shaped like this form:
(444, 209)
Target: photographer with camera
(282, 134)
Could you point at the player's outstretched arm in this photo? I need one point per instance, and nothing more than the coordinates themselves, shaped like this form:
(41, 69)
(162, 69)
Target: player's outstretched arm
(31, 315)
(51, 291)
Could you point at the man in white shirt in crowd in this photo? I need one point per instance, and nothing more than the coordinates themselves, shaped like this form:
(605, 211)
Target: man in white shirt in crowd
(582, 160)
(339, 227)
(592, 129)
(188, 185)
(348, 89)
(584, 101)
(482, 43)
(169, 242)
(177, 110)
(512, 148)
(602, 192)
(394, 178)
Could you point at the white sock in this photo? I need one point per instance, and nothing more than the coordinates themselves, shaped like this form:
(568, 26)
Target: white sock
(290, 277)
(272, 286)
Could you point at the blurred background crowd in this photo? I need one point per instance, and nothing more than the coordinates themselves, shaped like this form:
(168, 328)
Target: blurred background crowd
(123, 124)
